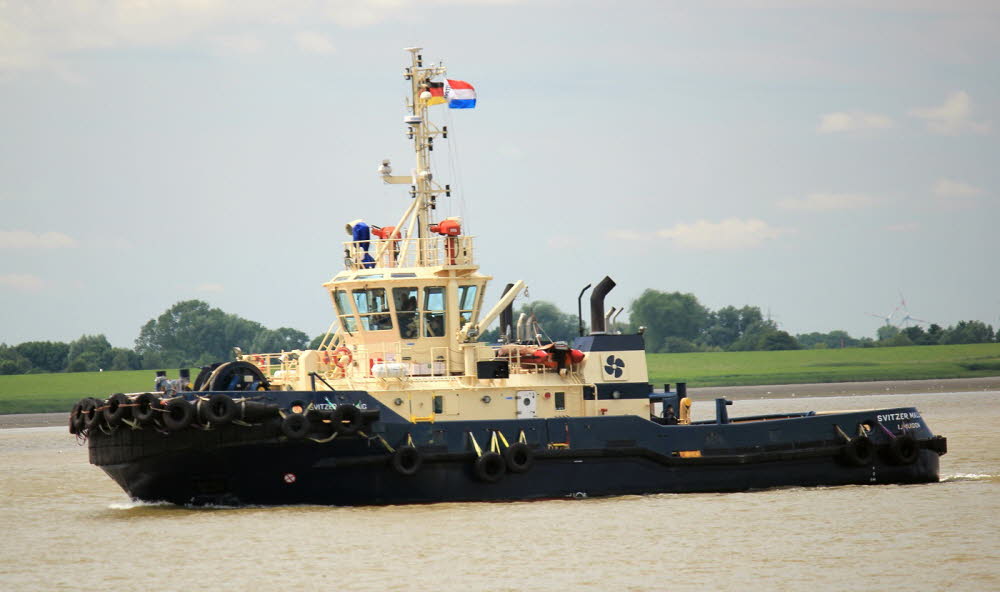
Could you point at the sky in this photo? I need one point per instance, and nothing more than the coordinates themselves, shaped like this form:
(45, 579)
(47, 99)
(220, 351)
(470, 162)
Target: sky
(819, 159)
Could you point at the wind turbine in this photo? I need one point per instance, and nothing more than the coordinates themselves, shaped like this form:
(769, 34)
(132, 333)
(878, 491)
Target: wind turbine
(906, 313)
(887, 318)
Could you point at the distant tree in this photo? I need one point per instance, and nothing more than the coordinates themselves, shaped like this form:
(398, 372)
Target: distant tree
(96, 352)
(192, 333)
(728, 324)
(125, 359)
(933, 334)
(968, 332)
(678, 345)
(555, 324)
(754, 335)
(87, 361)
(277, 340)
(12, 362)
(831, 340)
(915, 334)
(46, 356)
(669, 314)
(317, 341)
(887, 332)
(777, 340)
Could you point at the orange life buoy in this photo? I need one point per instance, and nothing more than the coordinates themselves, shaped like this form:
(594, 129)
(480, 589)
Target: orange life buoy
(326, 358)
(339, 356)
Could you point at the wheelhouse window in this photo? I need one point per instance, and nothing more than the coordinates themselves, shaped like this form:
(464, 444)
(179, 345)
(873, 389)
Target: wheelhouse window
(344, 311)
(405, 301)
(466, 303)
(434, 312)
(373, 309)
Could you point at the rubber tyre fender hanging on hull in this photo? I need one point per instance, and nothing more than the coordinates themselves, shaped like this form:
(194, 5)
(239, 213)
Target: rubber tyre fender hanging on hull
(178, 414)
(117, 409)
(490, 467)
(519, 458)
(858, 452)
(218, 410)
(76, 419)
(145, 408)
(295, 426)
(91, 416)
(347, 419)
(903, 450)
(407, 460)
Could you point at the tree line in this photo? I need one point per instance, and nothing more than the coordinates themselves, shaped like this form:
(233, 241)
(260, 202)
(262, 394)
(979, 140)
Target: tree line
(192, 333)
(189, 334)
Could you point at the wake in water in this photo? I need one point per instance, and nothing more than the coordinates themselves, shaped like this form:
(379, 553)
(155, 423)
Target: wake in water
(960, 477)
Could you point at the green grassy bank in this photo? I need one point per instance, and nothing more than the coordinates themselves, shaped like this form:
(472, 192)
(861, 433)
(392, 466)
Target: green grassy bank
(38, 393)
(826, 365)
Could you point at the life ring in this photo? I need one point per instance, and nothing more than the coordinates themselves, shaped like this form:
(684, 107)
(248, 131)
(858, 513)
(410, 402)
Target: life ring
(858, 452)
(338, 357)
(178, 414)
(490, 467)
(325, 357)
(407, 460)
(903, 450)
(295, 426)
(519, 457)
(347, 419)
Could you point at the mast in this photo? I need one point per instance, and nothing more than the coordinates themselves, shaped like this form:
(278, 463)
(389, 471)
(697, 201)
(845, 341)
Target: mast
(422, 187)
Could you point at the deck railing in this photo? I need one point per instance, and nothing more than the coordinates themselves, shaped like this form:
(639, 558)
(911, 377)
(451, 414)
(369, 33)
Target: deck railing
(409, 252)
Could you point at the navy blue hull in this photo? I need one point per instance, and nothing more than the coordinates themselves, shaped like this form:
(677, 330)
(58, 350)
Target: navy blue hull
(595, 456)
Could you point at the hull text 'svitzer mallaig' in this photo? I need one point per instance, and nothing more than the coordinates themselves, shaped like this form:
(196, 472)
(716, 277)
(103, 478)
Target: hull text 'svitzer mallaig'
(401, 403)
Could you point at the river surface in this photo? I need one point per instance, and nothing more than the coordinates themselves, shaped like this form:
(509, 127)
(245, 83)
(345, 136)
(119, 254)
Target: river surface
(66, 526)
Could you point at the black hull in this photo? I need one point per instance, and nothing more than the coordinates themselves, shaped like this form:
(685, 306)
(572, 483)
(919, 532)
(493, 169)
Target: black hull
(596, 456)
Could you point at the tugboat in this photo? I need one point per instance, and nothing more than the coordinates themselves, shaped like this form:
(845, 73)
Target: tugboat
(401, 402)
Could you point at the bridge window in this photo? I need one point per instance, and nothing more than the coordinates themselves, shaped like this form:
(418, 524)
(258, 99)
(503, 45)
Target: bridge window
(373, 309)
(405, 300)
(344, 311)
(466, 303)
(434, 312)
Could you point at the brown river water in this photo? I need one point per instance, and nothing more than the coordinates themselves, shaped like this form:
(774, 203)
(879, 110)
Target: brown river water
(66, 526)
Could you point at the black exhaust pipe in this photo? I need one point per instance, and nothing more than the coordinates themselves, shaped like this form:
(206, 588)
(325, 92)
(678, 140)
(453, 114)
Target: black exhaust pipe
(579, 307)
(507, 318)
(597, 326)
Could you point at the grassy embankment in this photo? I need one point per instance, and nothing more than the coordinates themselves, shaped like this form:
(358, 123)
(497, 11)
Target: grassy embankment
(826, 365)
(37, 393)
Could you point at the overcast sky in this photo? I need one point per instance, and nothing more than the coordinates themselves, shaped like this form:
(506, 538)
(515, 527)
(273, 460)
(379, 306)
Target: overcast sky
(813, 158)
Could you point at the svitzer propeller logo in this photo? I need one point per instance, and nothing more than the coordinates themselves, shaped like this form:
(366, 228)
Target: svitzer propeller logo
(615, 366)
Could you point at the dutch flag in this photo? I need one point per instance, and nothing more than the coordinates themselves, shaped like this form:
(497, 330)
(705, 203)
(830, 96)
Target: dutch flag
(459, 94)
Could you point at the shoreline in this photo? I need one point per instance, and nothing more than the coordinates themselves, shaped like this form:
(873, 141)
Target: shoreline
(768, 391)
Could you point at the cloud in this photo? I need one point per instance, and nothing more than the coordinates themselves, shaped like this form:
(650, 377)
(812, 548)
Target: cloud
(729, 234)
(22, 282)
(211, 287)
(950, 188)
(852, 121)
(37, 35)
(953, 117)
(317, 43)
(826, 202)
(22, 239)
